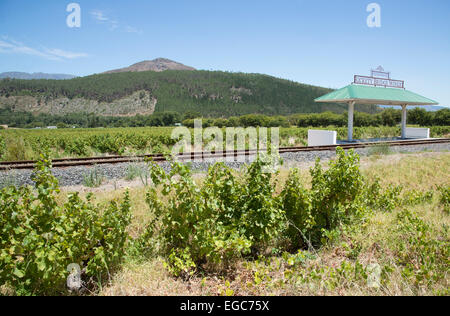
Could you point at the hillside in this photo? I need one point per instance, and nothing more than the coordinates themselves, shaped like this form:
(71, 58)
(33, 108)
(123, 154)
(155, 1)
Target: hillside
(36, 75)
(215, 94)
(158, 65)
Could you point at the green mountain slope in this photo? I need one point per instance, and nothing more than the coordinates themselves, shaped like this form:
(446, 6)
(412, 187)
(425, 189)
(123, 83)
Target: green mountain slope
(211, 93)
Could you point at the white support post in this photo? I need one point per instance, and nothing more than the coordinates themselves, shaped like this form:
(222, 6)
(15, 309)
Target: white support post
(404, 121)
(351, 107)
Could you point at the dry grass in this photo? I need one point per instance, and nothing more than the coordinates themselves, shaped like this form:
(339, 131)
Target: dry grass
(414, 171)
(148, 278)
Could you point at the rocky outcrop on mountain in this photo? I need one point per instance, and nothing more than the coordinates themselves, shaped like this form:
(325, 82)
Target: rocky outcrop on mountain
(158, 65)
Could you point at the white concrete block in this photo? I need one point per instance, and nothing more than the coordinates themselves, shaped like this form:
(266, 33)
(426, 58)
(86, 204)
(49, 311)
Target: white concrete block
(321, 138)
(414, 132)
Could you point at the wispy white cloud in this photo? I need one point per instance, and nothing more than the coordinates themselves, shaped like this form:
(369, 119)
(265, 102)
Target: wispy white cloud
(14, 47)
(10, 46)
(99, 15)
(102, 18)
(130, 29)
(113, 25)
(65, 54)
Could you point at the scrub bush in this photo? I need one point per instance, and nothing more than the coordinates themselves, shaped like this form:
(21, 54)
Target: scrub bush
(227, 216)
(335, 198)
(211, 224)
(40, 238)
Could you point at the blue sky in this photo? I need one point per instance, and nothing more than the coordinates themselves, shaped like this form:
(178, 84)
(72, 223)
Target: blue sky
(320, 42)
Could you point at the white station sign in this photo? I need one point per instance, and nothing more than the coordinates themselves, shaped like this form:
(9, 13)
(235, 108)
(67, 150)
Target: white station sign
(372, 81)
(379, 78)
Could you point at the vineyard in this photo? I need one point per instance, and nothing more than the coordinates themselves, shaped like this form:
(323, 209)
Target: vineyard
(21, 144)
(28, 144)
(236, 233)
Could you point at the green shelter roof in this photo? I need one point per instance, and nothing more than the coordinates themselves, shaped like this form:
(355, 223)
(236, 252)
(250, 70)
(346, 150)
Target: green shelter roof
(375, 95)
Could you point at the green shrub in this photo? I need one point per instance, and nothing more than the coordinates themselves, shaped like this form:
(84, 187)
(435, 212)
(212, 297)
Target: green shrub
(212, 224)
(40, 238)
(336, 198)
(297, 203)
(188, 223)
(260, 213)
(227, 216)
(335, 189)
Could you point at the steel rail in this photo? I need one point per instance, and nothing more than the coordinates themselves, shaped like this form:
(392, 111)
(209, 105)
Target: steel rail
(72, 162)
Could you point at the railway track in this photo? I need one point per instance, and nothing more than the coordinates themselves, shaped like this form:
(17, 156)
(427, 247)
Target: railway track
(70, 162)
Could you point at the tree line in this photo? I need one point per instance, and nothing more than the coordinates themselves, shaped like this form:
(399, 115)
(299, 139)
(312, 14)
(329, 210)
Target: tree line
(85, 120)
(387, 117)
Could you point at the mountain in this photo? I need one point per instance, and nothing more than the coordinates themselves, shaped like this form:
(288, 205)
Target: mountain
(210, 93)
(36, 75)
(158, 65)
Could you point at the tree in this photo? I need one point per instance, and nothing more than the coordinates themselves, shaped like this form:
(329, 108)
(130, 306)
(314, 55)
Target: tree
(390, 117)
(442, 117)
(419, 116)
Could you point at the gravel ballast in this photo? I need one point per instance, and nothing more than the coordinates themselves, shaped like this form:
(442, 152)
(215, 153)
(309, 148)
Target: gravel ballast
(70, 176)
